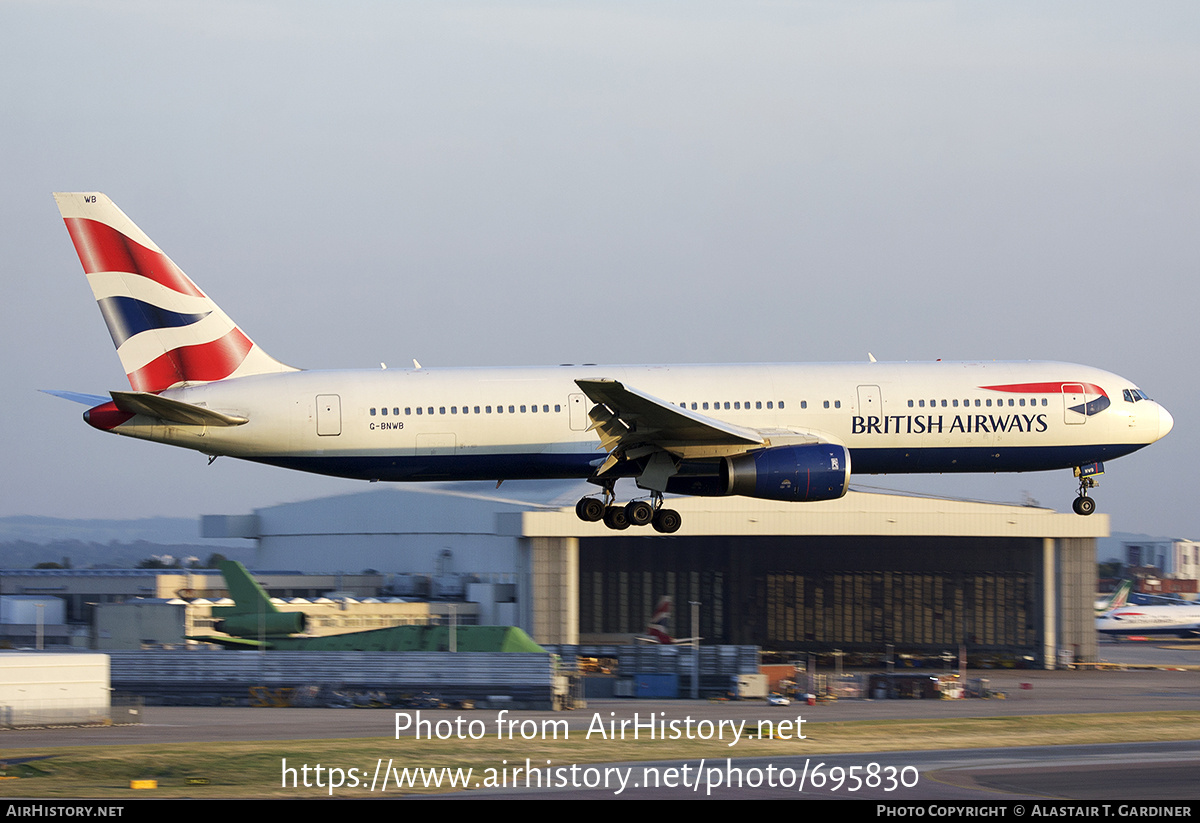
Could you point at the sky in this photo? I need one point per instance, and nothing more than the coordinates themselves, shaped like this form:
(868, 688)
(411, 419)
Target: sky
(513, 183)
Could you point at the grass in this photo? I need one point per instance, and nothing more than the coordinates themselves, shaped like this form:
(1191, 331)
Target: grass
(254, 769)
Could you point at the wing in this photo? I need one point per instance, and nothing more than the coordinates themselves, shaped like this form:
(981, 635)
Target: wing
(634, 425)
(638, 418)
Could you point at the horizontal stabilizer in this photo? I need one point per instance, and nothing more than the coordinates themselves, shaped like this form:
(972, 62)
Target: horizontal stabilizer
(138, 402)
(90, 400)
(231, 642)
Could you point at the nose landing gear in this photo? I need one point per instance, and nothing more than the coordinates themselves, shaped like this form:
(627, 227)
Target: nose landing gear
(1087, 475)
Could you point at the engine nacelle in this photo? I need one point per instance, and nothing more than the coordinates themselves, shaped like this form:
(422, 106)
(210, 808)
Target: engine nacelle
(271, 624)
(815, 471)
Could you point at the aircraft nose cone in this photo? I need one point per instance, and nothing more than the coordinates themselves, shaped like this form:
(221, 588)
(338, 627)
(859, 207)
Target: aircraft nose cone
(1165, 421)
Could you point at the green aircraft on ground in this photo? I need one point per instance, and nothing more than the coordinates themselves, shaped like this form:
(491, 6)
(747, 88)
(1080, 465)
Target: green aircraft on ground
(253, 622)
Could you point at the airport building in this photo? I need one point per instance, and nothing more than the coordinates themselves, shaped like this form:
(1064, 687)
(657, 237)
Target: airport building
(1177, 559)
(861, 574)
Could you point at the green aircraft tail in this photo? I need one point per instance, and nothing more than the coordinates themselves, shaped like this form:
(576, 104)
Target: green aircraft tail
(1119, 597)
(252, 613)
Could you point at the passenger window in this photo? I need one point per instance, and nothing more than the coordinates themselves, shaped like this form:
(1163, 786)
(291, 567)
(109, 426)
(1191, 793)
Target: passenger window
(758, 404)
(372, 411)
(837, 404)
(781, 404)
(418, 409)
(804, 404)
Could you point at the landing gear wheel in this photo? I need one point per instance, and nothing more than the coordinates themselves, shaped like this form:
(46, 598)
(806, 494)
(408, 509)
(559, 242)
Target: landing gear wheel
(639, 512)
(1084, 505)
(614, 518)
(667, 521)
(589, 510)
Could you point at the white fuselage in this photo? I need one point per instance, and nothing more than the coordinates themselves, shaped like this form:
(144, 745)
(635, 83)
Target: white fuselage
(507, 423)
(1138, 620)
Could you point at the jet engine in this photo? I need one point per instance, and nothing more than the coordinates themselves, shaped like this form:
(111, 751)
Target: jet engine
(268, 624)
(815, 471)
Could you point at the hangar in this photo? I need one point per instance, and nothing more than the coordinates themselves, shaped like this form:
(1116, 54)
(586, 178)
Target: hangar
(862, 573)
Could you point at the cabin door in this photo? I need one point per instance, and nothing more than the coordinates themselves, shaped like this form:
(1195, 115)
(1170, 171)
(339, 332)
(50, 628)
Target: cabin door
(329, 415)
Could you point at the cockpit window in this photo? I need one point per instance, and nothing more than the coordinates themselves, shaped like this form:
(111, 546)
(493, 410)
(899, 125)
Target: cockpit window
(1134, 395)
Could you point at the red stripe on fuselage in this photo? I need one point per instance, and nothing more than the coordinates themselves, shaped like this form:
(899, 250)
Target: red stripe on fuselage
(103, 248)
(1046, 388)
(215, 360)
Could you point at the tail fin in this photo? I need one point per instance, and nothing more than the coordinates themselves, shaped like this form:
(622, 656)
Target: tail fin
(1118, 599)
(167, 332)
(659, 627)
(248, 596)
(253, 613)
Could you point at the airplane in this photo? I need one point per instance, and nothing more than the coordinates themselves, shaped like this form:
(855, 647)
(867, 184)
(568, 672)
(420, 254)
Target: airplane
(785, 432)
(658, 630)
(1119, 598)
(254, 622)
(1182, 621)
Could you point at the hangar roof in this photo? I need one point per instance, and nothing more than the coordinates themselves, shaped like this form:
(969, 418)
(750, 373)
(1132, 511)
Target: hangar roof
(547, 509)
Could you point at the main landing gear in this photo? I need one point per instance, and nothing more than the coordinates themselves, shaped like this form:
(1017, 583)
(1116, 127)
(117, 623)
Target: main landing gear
(633, 513)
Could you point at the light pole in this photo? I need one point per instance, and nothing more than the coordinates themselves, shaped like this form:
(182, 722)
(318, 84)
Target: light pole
(695, 604)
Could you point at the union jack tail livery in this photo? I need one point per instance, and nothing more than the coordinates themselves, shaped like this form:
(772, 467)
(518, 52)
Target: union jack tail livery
(659, 627)
(167, 332)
